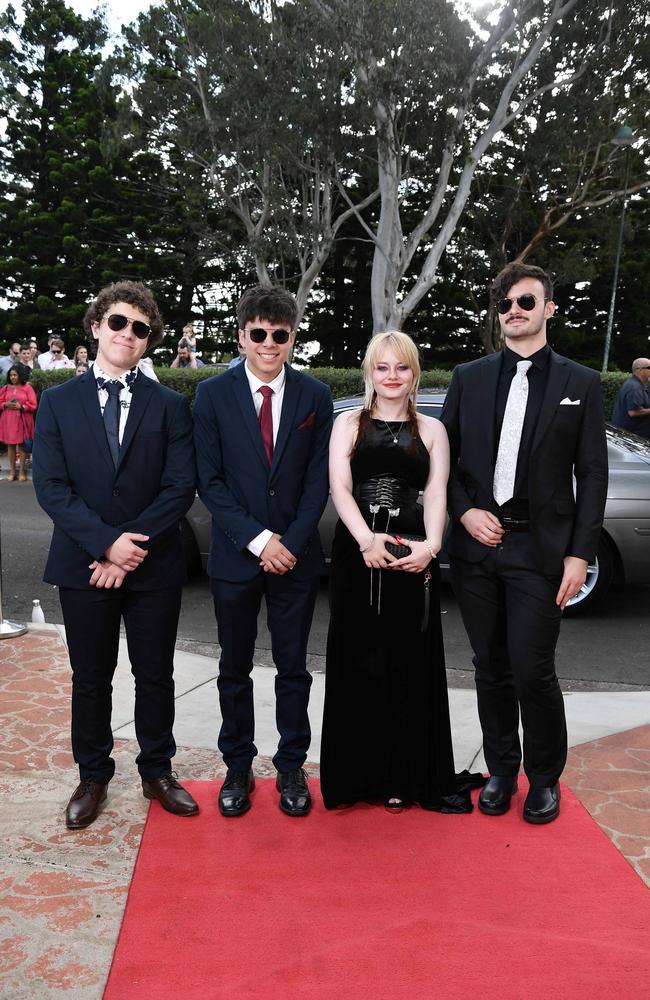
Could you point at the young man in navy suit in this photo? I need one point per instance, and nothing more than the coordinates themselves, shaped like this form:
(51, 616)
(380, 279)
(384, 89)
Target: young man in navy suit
(261, 432)
(526, 501)
(114, 468)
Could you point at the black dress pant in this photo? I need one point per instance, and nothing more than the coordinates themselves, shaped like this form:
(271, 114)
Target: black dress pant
(290, 607)
(92, 624)
(513, 623)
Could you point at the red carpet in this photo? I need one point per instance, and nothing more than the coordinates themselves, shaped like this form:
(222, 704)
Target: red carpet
(358, 904)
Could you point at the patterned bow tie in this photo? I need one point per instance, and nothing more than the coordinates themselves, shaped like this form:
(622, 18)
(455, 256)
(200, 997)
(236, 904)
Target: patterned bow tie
(129, 378)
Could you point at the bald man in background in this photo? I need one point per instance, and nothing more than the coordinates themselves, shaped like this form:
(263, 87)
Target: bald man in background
(632, 404)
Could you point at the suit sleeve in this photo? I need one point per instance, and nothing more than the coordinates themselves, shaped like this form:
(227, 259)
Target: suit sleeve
(229, 514)
(177, 482)
(315, 483)
(54, 492)
(590, 470)
(458, 499)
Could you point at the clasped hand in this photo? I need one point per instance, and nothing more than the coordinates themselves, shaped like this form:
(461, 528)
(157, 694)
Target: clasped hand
(120, 558)
(276, 558)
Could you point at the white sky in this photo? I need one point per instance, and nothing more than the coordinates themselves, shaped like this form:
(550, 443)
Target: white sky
(119, 11)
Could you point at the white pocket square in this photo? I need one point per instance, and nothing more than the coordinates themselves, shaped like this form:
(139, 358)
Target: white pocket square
(569, 402)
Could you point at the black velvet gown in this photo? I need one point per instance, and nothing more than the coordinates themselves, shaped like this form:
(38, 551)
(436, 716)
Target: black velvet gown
(386, 729)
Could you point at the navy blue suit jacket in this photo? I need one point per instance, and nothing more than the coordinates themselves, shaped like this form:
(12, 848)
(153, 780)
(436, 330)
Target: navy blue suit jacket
(244, 495)
(91, 502)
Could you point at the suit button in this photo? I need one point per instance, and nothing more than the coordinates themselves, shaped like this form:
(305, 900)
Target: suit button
(116, 493)
(271, 493)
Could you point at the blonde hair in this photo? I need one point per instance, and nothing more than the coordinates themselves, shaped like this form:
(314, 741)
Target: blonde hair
(406, 351)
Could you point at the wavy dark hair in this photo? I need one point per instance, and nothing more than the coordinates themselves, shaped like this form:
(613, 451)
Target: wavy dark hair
(512, 273)
(134, 293)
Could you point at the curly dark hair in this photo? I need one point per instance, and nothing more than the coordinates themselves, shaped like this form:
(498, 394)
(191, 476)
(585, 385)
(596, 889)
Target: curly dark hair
(134, 293)
(23, 373)
(512, 273)
(275, 305)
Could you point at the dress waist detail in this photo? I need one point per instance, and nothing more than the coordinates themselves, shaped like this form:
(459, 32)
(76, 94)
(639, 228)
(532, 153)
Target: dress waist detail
(388, 492)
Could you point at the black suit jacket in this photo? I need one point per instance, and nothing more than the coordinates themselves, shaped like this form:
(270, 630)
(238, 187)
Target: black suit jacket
(569, 441)
(91, 502)
(239, 489)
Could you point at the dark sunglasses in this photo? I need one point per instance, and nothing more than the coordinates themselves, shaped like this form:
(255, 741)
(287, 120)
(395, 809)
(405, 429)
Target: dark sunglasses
(258, 335)
(55, 351)
(526, 302)
(118, 322)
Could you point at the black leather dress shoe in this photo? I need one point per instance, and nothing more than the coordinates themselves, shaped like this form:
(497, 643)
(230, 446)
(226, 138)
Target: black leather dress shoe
(295, 799)
(234, 794)
(542, 804)
(171, 795)
(85, 804)
(494, 798)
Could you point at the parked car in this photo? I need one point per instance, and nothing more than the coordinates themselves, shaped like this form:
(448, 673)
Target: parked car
(623, 555)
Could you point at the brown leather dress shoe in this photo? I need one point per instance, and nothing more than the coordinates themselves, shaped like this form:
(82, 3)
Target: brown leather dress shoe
(171, 795)
(85, 804)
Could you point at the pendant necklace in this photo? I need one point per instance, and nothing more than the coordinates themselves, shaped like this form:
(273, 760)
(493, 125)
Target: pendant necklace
(392, 433)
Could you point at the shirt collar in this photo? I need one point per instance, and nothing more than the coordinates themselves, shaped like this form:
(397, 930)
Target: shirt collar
(126, 378)
(539, 359)
(255, 382)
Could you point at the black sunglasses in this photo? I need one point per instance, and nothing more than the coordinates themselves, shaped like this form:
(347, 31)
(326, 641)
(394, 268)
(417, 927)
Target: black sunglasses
(118, 322)
(258, 335)
(526, 302)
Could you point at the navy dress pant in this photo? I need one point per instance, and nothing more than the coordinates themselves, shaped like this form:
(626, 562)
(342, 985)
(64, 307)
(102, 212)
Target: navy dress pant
(92, 623)
(290, 607)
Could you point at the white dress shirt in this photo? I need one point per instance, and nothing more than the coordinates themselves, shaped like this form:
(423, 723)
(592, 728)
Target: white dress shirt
(256, 545)
(125, 395)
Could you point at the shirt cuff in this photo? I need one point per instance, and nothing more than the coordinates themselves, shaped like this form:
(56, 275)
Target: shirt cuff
(256, 545)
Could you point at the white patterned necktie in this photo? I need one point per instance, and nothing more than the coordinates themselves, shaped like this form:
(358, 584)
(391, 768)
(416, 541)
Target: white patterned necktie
(513, 423)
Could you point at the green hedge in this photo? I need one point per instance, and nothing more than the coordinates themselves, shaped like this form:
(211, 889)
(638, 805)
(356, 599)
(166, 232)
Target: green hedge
(342, 381)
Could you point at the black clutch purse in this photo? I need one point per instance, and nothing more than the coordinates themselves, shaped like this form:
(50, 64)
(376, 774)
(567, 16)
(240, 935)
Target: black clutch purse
(399, 551)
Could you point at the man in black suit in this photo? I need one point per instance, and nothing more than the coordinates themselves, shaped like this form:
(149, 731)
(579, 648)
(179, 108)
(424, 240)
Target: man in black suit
(262, 431)
(114, 468)
(522, 423)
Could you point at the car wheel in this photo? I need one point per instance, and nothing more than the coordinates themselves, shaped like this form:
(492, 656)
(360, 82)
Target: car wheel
(600, 573)
(190, 550)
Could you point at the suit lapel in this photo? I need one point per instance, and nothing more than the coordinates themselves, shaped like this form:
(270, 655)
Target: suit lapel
(558, 377)
(90, 404)
(244, 398)
(486, 408)
(140, 398)
(289, 404)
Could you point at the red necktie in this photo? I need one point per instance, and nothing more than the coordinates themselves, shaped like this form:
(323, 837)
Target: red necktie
(266, 420)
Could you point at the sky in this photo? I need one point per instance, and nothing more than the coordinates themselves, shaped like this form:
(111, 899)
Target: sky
(119, 11)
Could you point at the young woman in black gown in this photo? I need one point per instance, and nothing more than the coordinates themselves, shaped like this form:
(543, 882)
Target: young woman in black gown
(386, 732)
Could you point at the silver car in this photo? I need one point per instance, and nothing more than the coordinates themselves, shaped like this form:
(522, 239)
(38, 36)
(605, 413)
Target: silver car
(623, 555)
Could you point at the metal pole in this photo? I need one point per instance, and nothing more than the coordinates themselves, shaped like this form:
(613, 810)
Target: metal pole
(617, 261)
(7, 629)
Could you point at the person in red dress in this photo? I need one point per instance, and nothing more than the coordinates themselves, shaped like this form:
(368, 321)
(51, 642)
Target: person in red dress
(17, 408)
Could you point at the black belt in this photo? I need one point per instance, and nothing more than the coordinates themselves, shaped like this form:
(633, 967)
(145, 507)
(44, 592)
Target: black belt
(515, 523)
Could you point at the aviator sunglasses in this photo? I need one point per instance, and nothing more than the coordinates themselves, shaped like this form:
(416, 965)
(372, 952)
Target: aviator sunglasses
(526, 302)
(116, 322)
(258, 335)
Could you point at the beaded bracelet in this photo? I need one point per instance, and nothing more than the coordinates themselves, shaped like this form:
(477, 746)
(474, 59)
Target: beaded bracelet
(430, 548)
(369, 545)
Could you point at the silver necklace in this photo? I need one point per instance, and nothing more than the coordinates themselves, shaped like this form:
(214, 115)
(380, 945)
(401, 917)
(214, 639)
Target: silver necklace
(392, 433)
